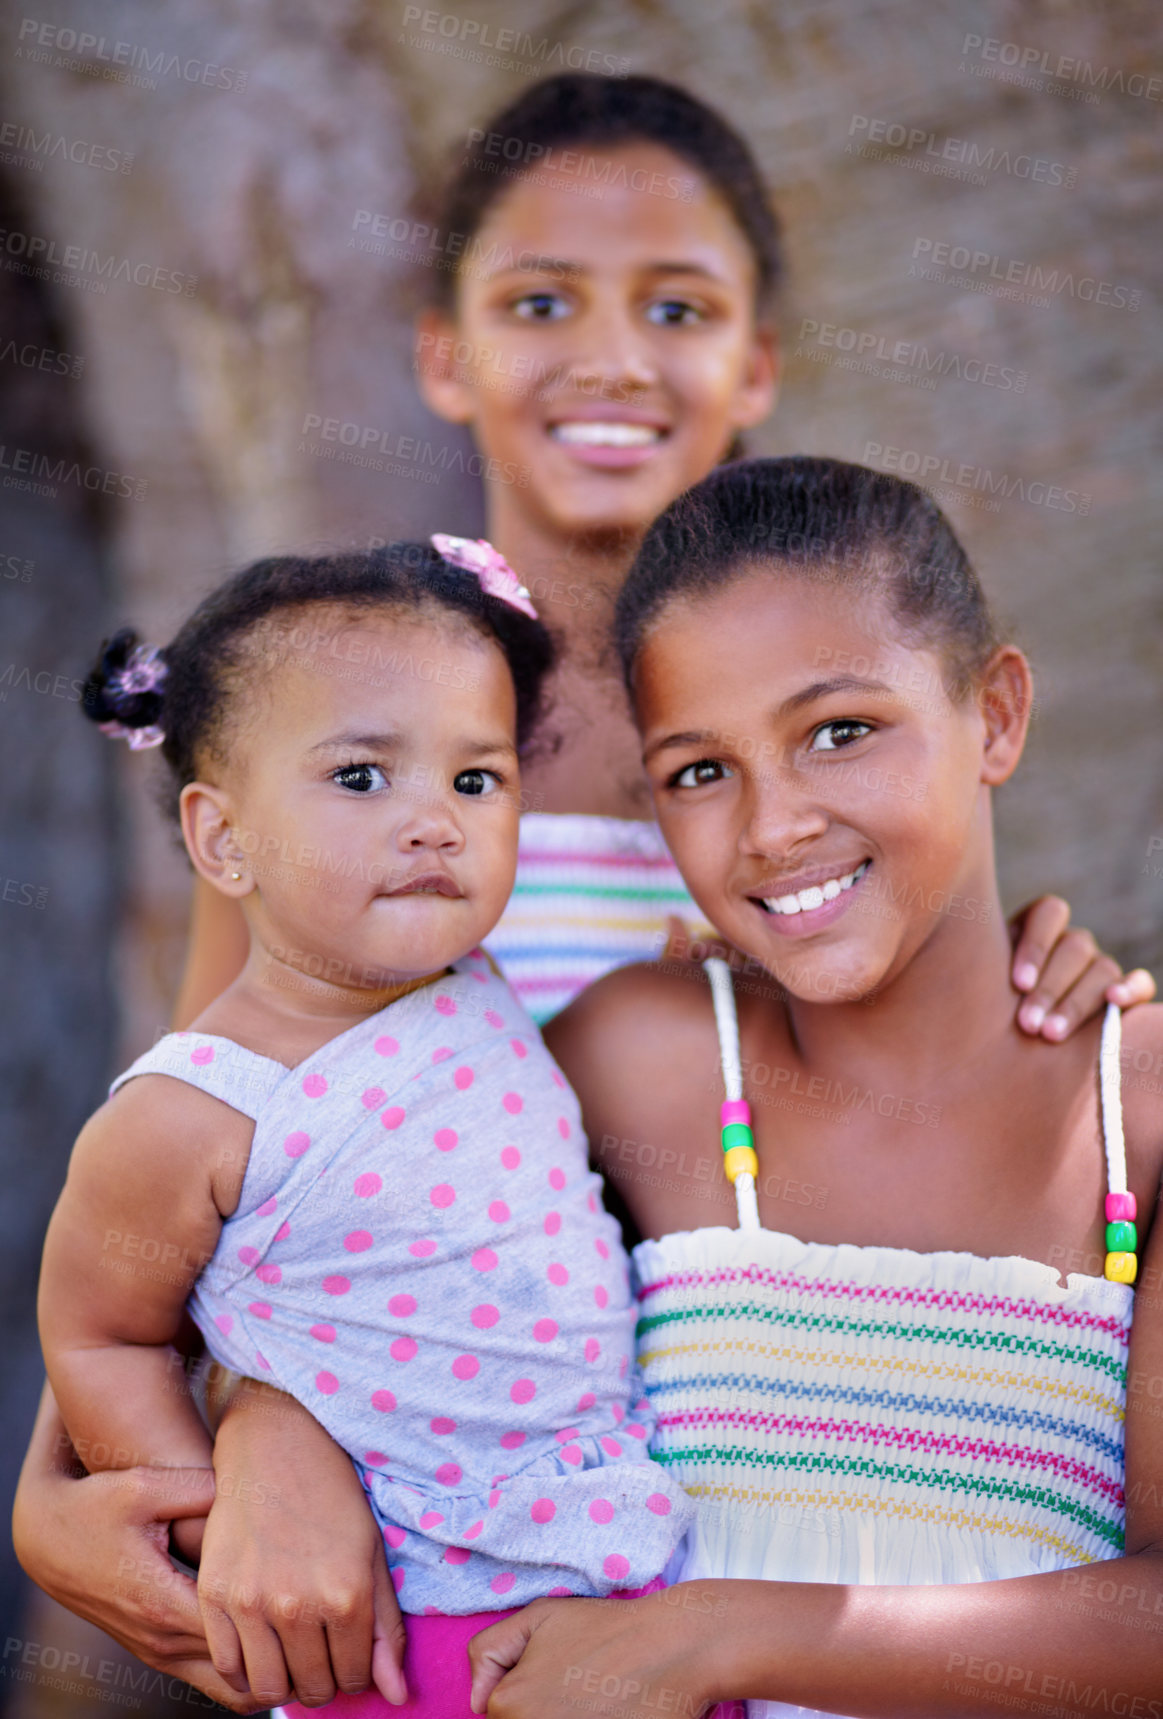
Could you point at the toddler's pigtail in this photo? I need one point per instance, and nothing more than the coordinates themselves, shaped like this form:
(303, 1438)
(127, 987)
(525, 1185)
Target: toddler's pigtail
(124, 693)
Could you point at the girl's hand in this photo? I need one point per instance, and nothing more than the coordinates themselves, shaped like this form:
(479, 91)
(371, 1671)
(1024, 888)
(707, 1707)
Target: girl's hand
(1064, 973)
(616, 1657)
(293, 1584)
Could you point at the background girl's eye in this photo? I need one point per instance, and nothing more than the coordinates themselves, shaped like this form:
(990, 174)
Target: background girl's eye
(476, 782)
(672, 312)
(833, 735)
(360, 778)
(540, 307)
(697, 775)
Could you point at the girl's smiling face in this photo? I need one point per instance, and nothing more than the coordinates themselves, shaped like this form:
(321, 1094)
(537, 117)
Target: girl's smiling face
(605, 349)
(823, 797)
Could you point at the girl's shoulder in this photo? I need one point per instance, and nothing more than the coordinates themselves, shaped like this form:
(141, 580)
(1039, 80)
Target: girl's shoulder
(158, 1128)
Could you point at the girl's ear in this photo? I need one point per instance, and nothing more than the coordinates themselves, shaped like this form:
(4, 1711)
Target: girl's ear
(433, 345)
(1006, 699)
(212, 840)
(759, 385)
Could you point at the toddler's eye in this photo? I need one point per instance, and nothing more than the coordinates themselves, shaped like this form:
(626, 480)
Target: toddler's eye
(831, 736)
(360, 778)
(672, 312)
(540, 307)
(476, 782)
(699, 774)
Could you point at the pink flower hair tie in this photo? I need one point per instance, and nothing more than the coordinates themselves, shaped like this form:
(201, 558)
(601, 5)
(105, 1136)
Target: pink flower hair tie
(145, 670)
(496, 576)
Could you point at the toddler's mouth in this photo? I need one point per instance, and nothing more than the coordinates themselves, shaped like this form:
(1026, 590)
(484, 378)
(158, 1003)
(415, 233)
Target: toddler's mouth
(427, 883)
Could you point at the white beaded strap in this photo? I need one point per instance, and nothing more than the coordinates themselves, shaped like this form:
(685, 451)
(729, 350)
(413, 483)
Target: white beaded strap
(1110, 1080)
(727, 1024)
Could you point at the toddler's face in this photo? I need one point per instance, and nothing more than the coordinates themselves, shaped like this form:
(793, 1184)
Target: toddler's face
(375, 796)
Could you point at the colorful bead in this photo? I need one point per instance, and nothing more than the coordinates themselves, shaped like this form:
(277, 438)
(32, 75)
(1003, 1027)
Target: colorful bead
(739, 1158)
(1120, 1206)
(734, 1110)
(736, 1134)
(1121, 1237)
(1120, 1267)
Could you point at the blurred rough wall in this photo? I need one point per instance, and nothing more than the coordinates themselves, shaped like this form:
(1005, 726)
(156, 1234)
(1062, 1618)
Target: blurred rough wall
(928, 155)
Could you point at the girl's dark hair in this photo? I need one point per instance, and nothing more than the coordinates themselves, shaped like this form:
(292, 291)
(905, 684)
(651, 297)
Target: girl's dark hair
(823, 520)
(217, 655)
(606, 113)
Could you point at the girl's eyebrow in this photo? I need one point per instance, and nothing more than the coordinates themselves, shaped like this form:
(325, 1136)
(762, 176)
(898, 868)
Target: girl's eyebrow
(373, 742)
(806, 695)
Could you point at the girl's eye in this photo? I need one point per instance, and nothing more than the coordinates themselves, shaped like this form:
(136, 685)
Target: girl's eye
(476, 782)
(699, 774)
(540, 307)
(360, 778)
(831, 736)
(672, 313)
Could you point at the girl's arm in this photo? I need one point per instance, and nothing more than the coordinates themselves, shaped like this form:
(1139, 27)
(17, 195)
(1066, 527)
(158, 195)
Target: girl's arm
(1064, 975)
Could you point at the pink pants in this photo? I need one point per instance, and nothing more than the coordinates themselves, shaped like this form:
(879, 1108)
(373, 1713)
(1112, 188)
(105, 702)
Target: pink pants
(437, 1671)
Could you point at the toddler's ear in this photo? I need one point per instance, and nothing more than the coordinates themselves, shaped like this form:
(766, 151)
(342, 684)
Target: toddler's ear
(1006, 700)
(433, 346)
(215, 846)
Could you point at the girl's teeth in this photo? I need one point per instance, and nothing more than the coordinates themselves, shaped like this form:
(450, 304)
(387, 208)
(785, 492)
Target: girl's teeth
(807, 900)
(606, 435)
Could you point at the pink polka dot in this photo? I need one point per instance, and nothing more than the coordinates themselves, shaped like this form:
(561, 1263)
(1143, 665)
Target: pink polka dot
(314, 1085)
(337, 1285)
(563, 1127)
(462, 1079)
(622, 1365)
(392, 1118)
(472, 1532)
(552, 1223)
(367, 1184)
(445, 1005)
(602, 1248)
(282, 1232)
(611, 1446)
(394, 1536)
(249, 1255)
(635, 1431)
(523, 1391)
(374, 1097)
(571, 1453)
(513, 1103)
(557, 1273)
(449, 1474)
(442, 1424)
(385, 1402)
(431, 1519)
(485, 1316)
(466, 1367)
(262, 1361)
(558, 1079)
(591, 1202)
(602, 1295)
(442, 1195)
(565, 1434)
(296, 1144)
(619, 1412)
(457, 1555)
(260, 1309)
(494, 1020)
(422, 1249)
(327, 1383)
(559, 1594)
(593, 1348)
(601, 1510)
(387, 1046)
(616, 1567)
(446, 1139)
(585, 1401)
(557, 1179)
(398, 1575)
(323, 1333)
(267, 1207)
(512, 1440)
(375, 1457)
(357, 1241)
(520, 1048)
(269, 1274)
(545, 1330)
(225, 1323)
(402, 1306)
(494, 1499)
(499, 1212)
(659, 1503)
(403, 1349)
(501, 1584)
(543, 1510)
(442, 1053)
(510, 1157)
(202, 1055)
(484, 1259)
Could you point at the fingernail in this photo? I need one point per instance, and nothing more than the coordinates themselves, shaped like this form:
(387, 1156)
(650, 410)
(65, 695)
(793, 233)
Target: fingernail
(1056, 1026)
(1025, 975)
(1033, 1014)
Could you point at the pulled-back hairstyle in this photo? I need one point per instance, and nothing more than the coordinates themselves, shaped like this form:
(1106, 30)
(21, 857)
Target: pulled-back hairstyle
(224, 647)
(823, 520)
(580, 108)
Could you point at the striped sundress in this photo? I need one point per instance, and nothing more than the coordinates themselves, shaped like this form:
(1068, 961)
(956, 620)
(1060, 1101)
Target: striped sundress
(873, 1415)
(591, 894)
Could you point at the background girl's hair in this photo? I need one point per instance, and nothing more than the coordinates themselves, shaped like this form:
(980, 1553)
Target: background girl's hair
(222, 650)
(823, 520)
(607, 113)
